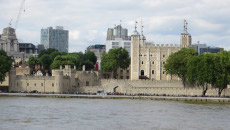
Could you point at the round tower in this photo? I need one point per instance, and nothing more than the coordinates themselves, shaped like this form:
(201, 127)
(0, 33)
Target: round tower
(12, 80)
(58, 74)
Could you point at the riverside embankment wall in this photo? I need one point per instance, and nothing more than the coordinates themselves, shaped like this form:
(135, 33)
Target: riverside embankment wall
(148, 87)
(166, 98)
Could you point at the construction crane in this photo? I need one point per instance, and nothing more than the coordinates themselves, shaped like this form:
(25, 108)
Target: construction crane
(10, 22)
(19, 13)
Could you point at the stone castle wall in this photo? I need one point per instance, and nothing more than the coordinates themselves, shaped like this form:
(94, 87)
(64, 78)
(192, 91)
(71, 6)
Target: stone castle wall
(148, 87)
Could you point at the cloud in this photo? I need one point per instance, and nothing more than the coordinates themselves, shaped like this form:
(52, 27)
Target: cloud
(88, 21)
(74, 35)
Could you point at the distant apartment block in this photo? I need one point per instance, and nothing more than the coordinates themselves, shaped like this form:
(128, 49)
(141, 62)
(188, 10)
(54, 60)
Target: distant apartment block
(27, 48)
(55, 38)
(118, 37)
(40, 47)
(98, 51)
(203, 48)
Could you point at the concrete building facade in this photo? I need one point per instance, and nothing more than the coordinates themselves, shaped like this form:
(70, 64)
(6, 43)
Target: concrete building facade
(118, 37)
(55, 38)
(9, 43)
(203, 48)
(27, 48)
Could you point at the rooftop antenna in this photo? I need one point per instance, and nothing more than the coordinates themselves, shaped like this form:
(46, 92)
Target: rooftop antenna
(142, 27)
(136, 25)
(185, 24)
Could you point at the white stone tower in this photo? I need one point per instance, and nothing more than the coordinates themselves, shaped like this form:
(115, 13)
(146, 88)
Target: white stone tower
(135, 51)
(9, 42)
(186, 38)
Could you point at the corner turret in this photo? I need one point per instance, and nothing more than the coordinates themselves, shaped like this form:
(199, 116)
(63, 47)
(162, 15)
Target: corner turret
(135, 51)
(186, 38)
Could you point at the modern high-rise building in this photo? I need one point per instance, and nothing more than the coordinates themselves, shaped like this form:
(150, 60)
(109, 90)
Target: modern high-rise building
(118, 37)
(55, 38)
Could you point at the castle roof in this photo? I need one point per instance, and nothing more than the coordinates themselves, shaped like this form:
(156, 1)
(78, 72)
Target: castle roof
(135, 33)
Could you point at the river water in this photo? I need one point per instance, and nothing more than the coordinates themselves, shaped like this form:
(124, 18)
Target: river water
(105, 114)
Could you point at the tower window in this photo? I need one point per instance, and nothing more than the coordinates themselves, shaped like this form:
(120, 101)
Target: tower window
(153, 62)
(152, 71)
(163, 62)
(87, 83)
(163, 55)
(142, 62)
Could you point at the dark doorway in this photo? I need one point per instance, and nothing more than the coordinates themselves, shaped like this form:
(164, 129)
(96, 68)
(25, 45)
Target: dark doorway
(142, 72)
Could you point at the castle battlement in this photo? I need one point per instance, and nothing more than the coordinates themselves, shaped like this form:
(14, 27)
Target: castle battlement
(161, 46)
(32, 77)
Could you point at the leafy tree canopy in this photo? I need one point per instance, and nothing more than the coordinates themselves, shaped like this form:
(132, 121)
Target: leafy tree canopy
(90, 56)
(200, 71)
(176, 64)
(69, 59)
(48, 52)
(222, 70)
(5, 66)
(34, 61)
(45, 60)
(114, 59)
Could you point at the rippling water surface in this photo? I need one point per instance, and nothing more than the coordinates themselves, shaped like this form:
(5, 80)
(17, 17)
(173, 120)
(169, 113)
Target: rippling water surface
(96, 114)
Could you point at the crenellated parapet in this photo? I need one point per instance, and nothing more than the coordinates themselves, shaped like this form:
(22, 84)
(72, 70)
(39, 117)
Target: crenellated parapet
(149, 46)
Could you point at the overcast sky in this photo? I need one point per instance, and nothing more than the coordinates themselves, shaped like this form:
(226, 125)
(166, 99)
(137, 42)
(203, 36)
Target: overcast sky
(88, 20)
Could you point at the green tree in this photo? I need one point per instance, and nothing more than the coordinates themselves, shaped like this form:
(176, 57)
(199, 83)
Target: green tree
(88, 65)
(222, 71)
(54, 54)
(176, 64)
(48, 52)
(90, 56)
(200, 71)
(5, 66)
(114, 59)
(69, 59)
(46, 61)
(33, 61)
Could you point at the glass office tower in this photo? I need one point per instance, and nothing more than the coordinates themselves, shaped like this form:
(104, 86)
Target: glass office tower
(55, 38)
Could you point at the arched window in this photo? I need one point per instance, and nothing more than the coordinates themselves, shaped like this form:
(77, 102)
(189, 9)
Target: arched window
(142, 62)
(152, 71)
